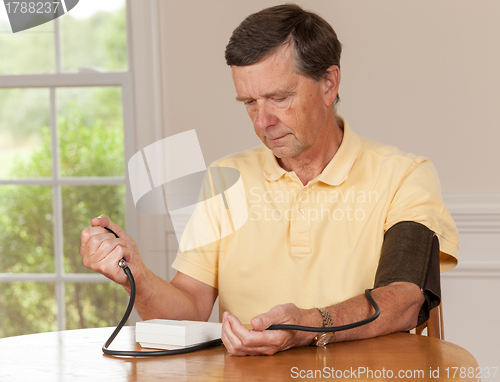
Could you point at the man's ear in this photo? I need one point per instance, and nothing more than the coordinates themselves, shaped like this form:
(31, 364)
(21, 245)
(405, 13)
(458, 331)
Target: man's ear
(331, 84)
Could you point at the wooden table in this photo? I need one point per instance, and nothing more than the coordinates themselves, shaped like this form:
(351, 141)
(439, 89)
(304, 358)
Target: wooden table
(75, 355)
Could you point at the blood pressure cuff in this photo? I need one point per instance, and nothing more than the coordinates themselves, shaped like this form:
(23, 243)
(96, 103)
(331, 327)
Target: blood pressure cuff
(410, 252)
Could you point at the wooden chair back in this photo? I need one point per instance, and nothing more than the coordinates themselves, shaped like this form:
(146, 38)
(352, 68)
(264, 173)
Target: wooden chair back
(434, 325)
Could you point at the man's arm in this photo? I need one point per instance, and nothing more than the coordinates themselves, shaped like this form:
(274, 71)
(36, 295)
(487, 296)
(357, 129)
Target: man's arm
(399, 303)
(183, 298)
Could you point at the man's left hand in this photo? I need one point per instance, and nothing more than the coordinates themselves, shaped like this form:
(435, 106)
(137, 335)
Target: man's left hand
(241, 341)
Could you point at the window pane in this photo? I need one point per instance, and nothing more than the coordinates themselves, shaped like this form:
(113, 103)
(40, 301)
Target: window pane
(80, 205)
(26, 231)
(27, 307)
(30, 51)
(25, 145)
(93, 35)
(90, 128)
(94, 305)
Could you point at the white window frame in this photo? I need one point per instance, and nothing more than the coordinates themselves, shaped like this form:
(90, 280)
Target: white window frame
(125, 81)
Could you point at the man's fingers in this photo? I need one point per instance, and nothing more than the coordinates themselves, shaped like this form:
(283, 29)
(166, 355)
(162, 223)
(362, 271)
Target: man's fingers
(265, 320)
(108, 266)
(240, 332)
(101, 221)
(260, 322)
(231, 340)
(100, 245)
(101, 250)
(104, 221)
(241, 341)
(98, 237)
(108, 247)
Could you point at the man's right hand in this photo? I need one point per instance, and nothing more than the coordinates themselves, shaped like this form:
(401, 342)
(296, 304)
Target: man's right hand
(101, 251)
(183, 299)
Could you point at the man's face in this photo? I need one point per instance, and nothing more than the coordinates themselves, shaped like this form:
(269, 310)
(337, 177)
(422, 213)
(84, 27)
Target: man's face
(290, 112)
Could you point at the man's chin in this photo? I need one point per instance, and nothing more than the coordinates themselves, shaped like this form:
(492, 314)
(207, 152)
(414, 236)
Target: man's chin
(282, 152)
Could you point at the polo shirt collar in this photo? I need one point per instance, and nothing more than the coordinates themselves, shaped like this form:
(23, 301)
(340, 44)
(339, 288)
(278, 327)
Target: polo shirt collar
(335, 172)
(272, 170)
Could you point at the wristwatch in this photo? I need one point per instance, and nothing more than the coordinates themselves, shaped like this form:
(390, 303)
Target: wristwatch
(322, 339)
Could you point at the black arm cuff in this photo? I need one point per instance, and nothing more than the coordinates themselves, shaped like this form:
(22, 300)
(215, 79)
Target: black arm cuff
(410, 252)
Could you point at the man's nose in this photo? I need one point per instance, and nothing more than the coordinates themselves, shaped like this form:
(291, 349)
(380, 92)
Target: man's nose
(264, 117)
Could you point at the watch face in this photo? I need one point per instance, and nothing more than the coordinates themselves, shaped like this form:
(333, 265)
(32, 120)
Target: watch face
(324, 339)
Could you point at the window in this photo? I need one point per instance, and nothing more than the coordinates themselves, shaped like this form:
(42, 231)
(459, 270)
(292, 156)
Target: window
(66, 127)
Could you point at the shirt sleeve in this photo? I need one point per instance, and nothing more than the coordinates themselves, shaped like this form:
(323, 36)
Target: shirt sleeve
(215, 216)
(200, 264)
(198, 251)
(418, 198)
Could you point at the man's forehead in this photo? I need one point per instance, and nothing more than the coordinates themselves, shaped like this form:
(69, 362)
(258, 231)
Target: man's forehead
(273, 76)
(267, 87)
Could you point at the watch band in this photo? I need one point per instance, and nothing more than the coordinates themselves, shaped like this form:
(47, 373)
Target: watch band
(327, 319)
(322, 339)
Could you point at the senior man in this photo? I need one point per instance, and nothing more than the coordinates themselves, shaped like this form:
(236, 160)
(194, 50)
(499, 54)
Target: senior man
(330, 213)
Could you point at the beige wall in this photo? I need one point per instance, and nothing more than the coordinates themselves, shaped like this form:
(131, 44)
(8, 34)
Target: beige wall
(422, 75)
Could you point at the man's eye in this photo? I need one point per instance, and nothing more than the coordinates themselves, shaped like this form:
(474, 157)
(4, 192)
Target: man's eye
(279, 99)
(250, 102)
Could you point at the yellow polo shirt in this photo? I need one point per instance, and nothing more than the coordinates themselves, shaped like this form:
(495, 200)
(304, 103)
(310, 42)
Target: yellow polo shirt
(318, 244)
